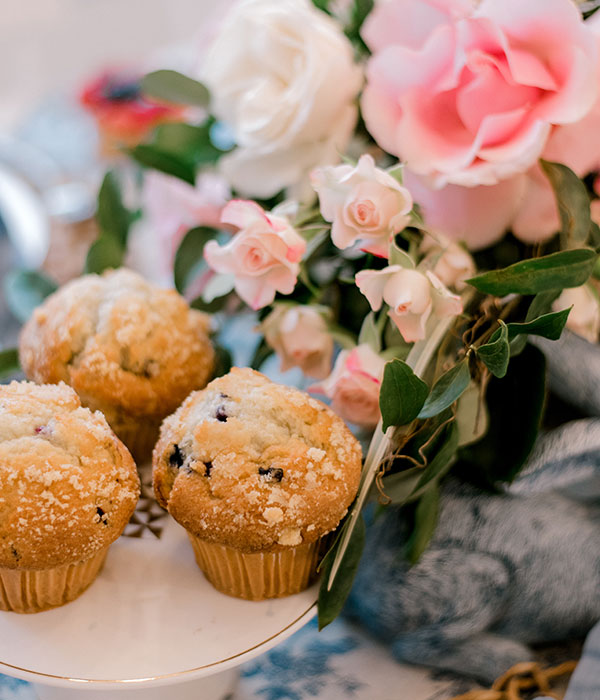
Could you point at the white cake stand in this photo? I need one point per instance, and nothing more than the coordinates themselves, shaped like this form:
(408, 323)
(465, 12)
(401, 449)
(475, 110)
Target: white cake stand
(150, 620)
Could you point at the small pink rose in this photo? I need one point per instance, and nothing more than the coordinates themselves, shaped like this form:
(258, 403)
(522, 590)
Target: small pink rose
(353, 386)
(584, 318)
(300, 337)
(411, 295)
(263, 256)
(365, 204)
(472, 100)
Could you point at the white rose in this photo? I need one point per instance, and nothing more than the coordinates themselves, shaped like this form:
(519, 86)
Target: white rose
(300, 337)
(584, 318)
(282, 75)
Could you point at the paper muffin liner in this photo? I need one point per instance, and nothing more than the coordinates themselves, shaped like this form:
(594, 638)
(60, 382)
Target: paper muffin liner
(257, 575)
(139, 435)
(34, 590)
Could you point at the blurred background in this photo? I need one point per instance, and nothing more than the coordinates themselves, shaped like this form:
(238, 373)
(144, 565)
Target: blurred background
(51, 158)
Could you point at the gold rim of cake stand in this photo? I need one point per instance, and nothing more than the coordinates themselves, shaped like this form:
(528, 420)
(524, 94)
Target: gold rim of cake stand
(166, 675)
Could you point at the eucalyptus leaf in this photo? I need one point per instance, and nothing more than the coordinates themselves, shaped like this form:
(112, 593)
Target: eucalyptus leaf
(9, 362)
(189, 254)
(26, 289)
(171, 86)
(439, 465)
(547, 326)
(515, 404)
(211, 307)
(573, 203)
(401, 257)
(369, 333)
(495, 355)
(113, 217)
(402, 394)
(187, 142)
(472, 417)
(152, 157)
(105, 253)
(398, 487)
(332, 601)
(447, 389)
(223, 360)
(426, 518)
(567, 268)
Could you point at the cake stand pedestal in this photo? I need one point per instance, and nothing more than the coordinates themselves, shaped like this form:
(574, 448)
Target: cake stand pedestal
(149, 621)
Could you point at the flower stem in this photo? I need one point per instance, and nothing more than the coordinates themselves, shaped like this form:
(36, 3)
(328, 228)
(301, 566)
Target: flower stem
(418, 360)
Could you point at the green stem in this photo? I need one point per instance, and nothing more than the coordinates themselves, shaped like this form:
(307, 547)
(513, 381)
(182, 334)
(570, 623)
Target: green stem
(418, 359)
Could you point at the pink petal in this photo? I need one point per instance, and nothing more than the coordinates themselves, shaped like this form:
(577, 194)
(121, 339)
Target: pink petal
(242, 213)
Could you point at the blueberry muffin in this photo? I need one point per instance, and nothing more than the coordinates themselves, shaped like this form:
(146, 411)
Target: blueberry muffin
(68, 487)
(258, 474)
(129, 349)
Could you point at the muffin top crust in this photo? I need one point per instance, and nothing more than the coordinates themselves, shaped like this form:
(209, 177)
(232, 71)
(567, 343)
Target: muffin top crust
(121, 343)
(68, 486)
(255, 465)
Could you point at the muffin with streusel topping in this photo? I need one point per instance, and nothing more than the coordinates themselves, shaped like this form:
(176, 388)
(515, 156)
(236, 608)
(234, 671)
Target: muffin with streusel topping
(257, 473)
(68, 487)
(129, 349)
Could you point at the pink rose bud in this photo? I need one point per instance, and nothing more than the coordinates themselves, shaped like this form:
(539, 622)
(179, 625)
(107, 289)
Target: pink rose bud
(353, 386)
(365, 204)
(584, 318)
(263, 256)
(300, 337)
(411, 295)
(449, 261)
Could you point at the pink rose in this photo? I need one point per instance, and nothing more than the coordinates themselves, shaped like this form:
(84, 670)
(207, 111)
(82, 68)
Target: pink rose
(263, 256)
(472, 100)
(300, 337)
(365, 204)
(353, 386)
(584, 318)
(411, 295)
(449, 261)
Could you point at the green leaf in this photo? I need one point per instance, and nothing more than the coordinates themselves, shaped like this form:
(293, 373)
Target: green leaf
(223, 360)
(402, 394)
(189, 143)
(568, 268)
(401, 257)
(547, 326)
(496, 354)
(104, 253)
(331, 602)
(322, 5)
(189, 254)
(541, 304)
(152, 157)
(573, 203)
(26, 289)
(9, 362)
(360, 11)
(398, 487)
(113, 217)
(171, 86)
(209, 307)
(439, 465)
(447, 389)
(426, 517)
(369, 333)
(515, 405)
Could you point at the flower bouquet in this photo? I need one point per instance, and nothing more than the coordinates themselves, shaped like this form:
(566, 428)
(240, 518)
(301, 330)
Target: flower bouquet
(394, 188)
